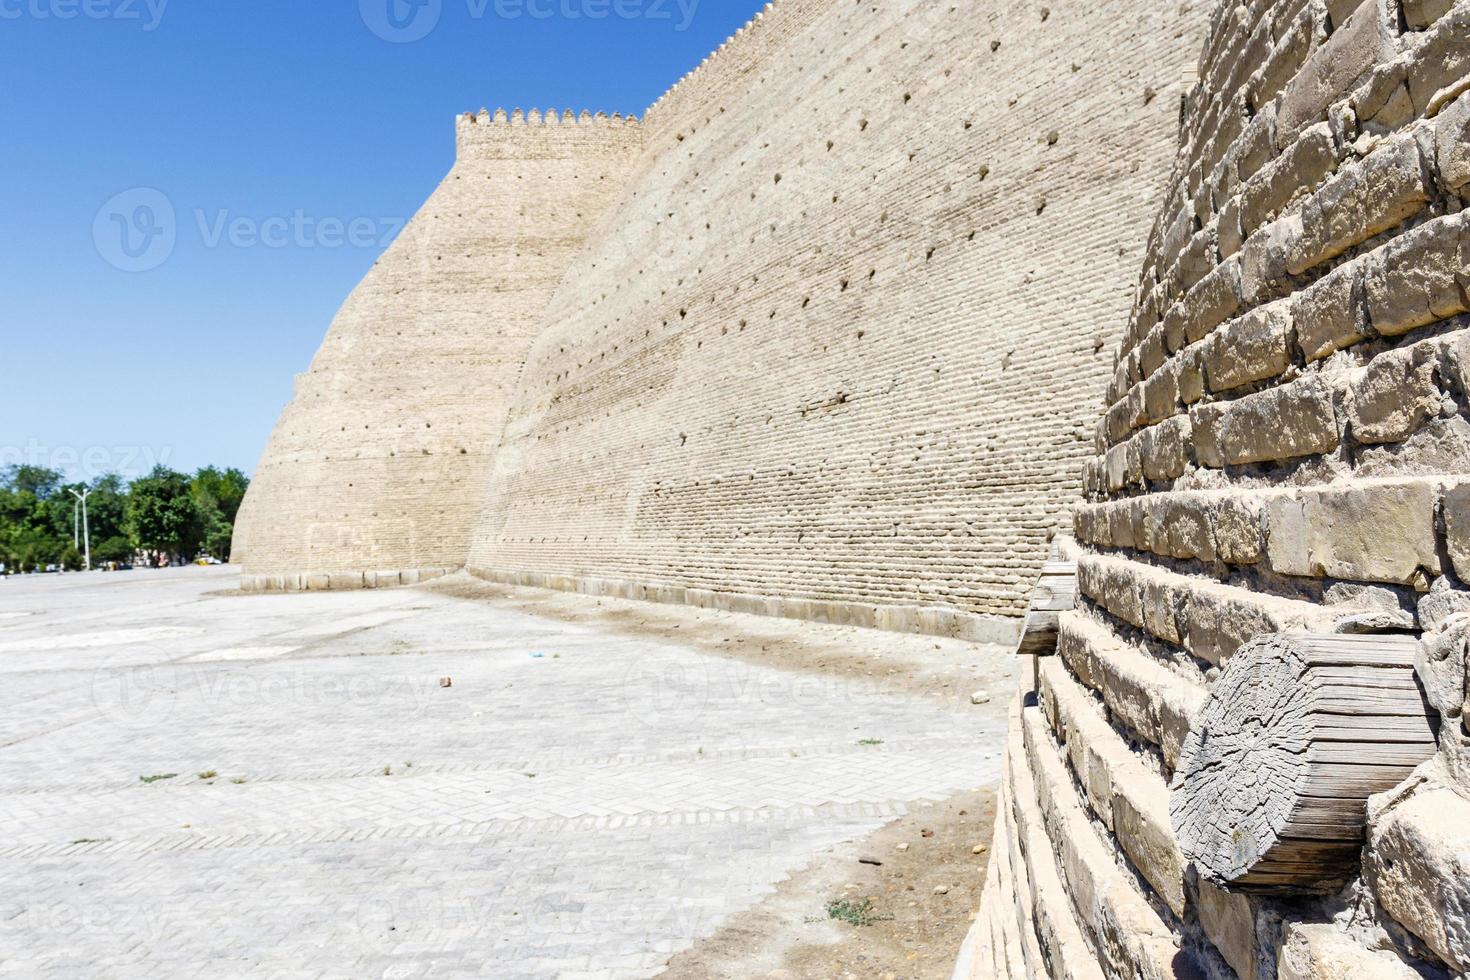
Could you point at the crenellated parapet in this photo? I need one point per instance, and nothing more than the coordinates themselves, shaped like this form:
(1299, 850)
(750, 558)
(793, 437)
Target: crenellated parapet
(517, 128)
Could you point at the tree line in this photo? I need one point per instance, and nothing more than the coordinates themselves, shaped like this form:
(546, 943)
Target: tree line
(165, 516)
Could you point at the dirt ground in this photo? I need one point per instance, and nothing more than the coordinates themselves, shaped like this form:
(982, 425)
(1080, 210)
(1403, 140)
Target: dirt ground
(934, 666)
(923, 895)
(914, 886)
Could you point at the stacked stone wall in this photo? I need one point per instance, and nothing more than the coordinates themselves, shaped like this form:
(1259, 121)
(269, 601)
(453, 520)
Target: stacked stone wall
(376, 470)
(836, 352)
(1285, 448)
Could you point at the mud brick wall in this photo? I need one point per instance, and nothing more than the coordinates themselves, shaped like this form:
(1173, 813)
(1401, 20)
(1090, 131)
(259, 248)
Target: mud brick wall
(837, 352)
(376, 470)
(1285, 448)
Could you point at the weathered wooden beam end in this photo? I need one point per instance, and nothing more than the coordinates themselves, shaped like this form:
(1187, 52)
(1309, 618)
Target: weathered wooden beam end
(1055, 593)
(1271, 789)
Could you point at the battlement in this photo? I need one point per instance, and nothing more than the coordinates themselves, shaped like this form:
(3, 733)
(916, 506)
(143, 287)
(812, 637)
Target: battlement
(551, 118)
(697, 96)
(506, 133)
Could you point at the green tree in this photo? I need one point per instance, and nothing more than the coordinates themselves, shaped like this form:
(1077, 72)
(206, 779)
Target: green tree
(225, 488)
(163, 516)
(218, 495)
(33, 534)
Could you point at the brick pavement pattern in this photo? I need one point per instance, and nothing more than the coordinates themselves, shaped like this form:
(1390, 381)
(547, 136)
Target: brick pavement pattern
(578, 804)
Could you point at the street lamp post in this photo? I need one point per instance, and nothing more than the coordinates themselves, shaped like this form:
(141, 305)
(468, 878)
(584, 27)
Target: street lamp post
(86, 527)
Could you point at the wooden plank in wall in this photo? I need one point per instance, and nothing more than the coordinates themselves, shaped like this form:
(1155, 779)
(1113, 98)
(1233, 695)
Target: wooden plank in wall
(1055, 593)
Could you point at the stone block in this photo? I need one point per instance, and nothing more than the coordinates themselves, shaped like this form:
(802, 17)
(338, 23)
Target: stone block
(1327, 315)
(1457, 528)
(1191, 375)
(1452, 143)
(1164, 449)
(1419, 277)
(1214, 300)
(1187, 525)
(1418, 866)
(1161, 393)
(1220, 619)
(1359, 44)
(1238, 529)
(1370, 531)
(1229, 922)
(1394, 394)
(1286, 536)
(1320, 951)
(1441, 63)
(1420, 14)
(1263, 259)
(1251, 348)
(1296, 419)
(1310, 159)
(1362, 201)
(1207, 424)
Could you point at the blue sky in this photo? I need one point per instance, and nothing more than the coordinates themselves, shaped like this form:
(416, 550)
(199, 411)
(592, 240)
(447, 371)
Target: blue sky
(288, 114)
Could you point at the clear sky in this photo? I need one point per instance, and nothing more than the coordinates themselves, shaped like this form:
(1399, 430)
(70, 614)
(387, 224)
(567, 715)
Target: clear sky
(288, 138)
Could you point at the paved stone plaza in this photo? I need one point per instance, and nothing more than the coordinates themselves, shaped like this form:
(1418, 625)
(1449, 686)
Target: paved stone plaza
(580, 802)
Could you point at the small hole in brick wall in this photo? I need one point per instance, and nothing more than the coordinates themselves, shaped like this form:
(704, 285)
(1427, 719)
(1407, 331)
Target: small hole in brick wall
(1045, 14)
(844, 285)
(1041, 205)
(908, 97)
(1149, 95)
(930, 254)
(862, 125)
(984, 171)
(777, 179)
(969, 124)
(862, 334)
(806, 302)
(1052, 138)
(994, 45)
(830, 144)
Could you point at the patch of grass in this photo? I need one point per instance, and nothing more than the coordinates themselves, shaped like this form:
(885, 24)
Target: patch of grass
(855, 913)
(238, 780)
(870, 741)
(210, 774)
(158, 778)
(387, 770)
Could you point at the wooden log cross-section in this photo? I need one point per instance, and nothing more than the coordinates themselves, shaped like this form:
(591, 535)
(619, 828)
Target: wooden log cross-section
(1271, 789)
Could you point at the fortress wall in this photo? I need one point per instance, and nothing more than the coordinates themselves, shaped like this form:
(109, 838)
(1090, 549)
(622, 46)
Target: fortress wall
(1285, 449)
(837, 353)
(377, 466)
